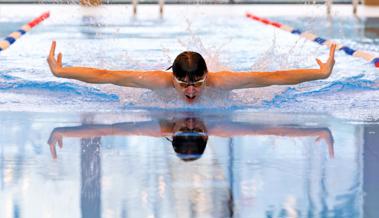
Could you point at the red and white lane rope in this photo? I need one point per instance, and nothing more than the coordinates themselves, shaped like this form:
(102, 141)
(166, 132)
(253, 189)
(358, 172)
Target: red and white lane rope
(11, 38)
(322, 41)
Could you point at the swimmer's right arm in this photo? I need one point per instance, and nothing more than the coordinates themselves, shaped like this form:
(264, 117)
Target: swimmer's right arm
(127, 78)
(147, 128)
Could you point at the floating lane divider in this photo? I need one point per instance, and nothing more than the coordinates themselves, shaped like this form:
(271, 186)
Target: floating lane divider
(11, 38)
(310, 36)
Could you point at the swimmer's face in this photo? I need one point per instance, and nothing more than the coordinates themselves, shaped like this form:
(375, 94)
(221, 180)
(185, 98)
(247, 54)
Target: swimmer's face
(189, 125)
(189, 138)
(190, 91)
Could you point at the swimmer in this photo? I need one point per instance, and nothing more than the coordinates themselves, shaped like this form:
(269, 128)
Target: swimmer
(188, 135)
(189, 75)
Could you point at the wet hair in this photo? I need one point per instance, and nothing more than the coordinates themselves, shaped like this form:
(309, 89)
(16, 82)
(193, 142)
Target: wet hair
(189, 65)
(189, 147)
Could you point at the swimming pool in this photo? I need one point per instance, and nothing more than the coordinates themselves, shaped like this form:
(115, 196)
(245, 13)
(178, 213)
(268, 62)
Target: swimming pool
(110, 37)
(273, 168)
(308, 150)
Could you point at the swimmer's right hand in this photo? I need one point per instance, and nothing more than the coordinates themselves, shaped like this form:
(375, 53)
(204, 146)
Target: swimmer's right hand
(55, 65)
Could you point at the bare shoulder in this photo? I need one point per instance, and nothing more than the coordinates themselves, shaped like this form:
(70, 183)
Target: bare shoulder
(217, 79)
(154, 79)
(162, 79)
(229, 80)
(226, 80)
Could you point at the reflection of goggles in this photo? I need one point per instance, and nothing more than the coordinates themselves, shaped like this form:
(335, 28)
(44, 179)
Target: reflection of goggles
(190, 133)
(187, 84)
(187, 134)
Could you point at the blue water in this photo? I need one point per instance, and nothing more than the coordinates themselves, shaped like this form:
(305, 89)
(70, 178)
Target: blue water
(308, 150)
(253, 165)
(111, 38)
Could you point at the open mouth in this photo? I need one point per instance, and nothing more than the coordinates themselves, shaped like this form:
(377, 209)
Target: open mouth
(189, 97)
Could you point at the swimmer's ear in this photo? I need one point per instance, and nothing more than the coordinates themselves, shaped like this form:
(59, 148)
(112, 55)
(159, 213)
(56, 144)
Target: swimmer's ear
(169, 68)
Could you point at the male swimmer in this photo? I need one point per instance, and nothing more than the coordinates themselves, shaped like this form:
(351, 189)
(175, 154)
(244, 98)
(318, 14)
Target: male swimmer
(190, 75)
(188, 135)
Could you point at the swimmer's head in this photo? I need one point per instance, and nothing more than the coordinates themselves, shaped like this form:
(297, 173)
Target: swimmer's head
(190, 71)
(189, 139)
(189, 66)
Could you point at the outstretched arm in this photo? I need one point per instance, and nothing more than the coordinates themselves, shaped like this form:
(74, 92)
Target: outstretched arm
(230, 129)
(128, 78)
(147, 128)
(239, 80)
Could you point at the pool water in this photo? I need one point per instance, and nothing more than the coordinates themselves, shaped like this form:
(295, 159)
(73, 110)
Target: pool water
(285, 166)
(308, 150)
(110, 37)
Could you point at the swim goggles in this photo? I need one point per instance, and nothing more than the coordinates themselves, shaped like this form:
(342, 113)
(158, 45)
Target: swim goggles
(191, 133)
(196, 84)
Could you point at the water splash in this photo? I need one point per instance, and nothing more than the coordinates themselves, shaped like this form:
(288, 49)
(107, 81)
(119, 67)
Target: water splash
(269, 50)
(210, 54)
(66, 90)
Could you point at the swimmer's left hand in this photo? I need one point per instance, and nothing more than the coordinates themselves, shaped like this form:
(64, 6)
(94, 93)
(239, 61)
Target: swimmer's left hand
(326, 68)
(55, 137)
(326, 136)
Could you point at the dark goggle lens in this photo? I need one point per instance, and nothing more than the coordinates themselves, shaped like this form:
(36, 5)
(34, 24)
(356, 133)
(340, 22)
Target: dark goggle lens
(195, 84)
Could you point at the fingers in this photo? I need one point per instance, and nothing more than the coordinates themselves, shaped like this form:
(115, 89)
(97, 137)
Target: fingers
(332, 51)
(59, 61)
(52, 49)
(50, 140)
(319, 62)
(330, 142)
(331, 56)
(53, 151)
(331, 149)
(60, 143)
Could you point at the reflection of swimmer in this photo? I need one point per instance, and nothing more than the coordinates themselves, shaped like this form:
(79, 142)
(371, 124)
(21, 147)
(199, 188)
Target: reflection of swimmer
(190, 75)
(189, 135)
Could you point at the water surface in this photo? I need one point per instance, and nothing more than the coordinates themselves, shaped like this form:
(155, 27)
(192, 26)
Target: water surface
(125, 165)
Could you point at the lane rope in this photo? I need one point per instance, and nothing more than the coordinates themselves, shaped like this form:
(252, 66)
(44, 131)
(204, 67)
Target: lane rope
(11, 38)
(317, 39)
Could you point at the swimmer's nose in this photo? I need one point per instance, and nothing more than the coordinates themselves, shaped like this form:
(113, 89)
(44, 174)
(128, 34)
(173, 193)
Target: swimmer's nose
(190, 123)
(190, 90)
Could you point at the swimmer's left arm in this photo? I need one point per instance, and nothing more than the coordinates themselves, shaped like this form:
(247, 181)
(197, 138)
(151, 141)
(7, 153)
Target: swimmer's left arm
(239, 80)
(244, 129)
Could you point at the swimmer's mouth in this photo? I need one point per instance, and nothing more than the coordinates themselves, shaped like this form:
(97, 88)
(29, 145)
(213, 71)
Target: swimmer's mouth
(193, 97)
